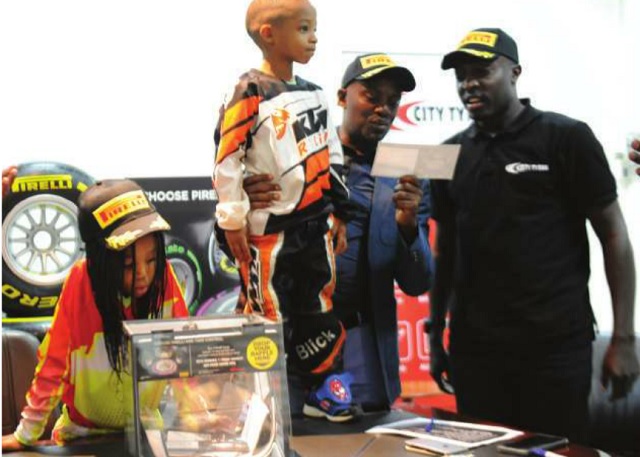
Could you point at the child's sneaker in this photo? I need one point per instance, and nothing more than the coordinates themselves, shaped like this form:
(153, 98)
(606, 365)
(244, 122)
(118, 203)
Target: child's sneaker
(332, 400)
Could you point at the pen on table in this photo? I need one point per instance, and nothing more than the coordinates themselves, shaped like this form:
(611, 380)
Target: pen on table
(543, 453)
(430, 425)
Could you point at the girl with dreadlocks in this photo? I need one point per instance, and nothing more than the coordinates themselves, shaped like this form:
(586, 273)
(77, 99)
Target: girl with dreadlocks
(82, 358)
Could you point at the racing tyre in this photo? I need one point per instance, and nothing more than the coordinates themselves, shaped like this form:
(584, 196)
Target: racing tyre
(40, 236)
(222, 303)
(187, 269)
(219, 263)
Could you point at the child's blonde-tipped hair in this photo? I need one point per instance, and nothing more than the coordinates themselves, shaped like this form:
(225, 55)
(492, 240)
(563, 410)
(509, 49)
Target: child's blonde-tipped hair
(262, 12)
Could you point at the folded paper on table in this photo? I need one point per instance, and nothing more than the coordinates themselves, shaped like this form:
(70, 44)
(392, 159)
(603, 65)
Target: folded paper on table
(463, 434)
(424, 161)
(432, 447)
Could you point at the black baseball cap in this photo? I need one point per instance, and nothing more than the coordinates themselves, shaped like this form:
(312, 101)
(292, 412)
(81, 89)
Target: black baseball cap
(369, 65)
(486, 44)
(117, 211)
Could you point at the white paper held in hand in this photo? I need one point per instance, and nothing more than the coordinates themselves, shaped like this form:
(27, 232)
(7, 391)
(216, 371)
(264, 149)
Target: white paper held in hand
(424, 161)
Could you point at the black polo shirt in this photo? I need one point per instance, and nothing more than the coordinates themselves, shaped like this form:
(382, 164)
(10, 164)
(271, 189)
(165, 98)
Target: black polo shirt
(519, 201)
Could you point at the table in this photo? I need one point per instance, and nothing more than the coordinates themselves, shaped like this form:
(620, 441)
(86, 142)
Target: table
(352, 445)
(328, 440)
(312, 438)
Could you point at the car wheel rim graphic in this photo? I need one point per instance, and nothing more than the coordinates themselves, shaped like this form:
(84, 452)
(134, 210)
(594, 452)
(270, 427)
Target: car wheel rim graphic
(41, 240)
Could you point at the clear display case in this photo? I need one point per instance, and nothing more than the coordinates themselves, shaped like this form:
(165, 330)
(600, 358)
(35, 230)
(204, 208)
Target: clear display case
(207, 386)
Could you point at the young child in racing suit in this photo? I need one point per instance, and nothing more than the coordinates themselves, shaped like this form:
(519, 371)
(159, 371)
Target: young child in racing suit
(277, 123)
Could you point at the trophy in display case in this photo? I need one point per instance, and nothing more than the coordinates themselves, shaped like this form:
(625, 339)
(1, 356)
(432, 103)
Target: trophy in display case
(207, 386)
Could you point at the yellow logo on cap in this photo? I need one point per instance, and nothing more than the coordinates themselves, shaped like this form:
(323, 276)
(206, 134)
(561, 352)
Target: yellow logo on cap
(118, 242)
(483, 38)
(120, 206)
(375, 60)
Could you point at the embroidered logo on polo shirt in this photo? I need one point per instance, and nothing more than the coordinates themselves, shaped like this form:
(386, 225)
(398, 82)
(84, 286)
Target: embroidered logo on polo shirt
(518, 167)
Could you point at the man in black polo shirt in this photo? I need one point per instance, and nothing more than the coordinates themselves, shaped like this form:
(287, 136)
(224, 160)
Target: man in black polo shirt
(512, 261)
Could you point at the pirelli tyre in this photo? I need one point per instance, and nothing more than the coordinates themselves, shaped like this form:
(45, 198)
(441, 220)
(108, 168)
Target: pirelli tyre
(219, 263)
(40, 236)
(187, 269)
(36, 326)
(223, 302)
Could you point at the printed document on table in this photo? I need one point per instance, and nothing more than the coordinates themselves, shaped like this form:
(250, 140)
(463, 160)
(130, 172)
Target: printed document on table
(422, 160)
(464, 434)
